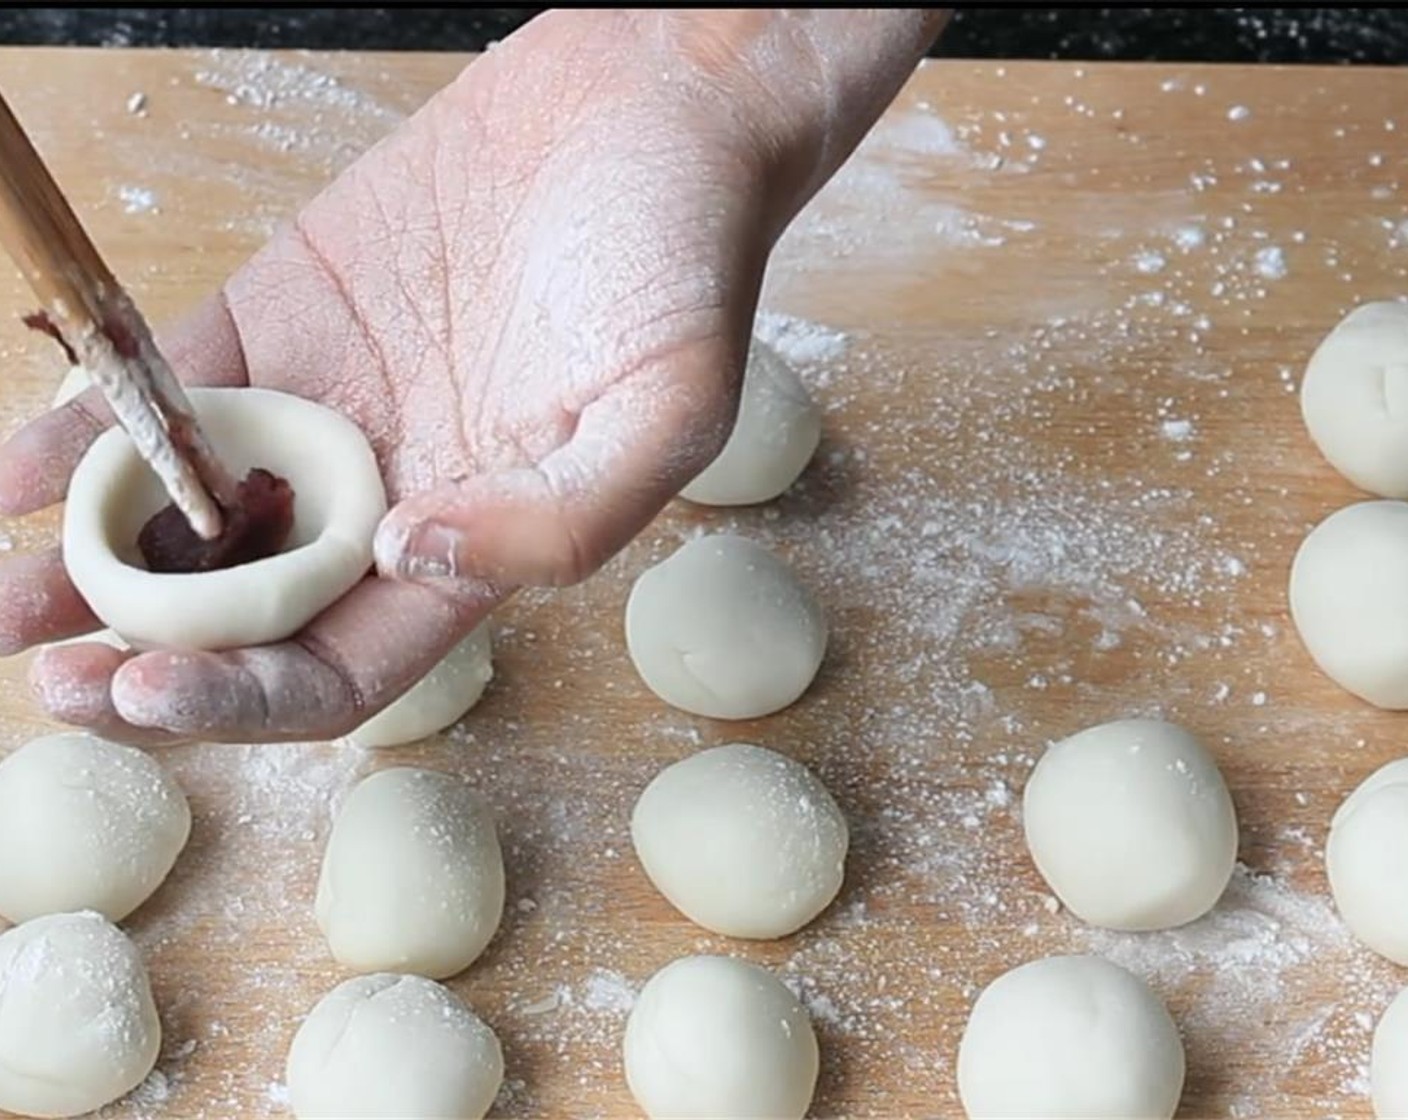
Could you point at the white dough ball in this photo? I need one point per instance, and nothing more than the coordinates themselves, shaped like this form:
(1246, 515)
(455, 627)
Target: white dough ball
(1131, 825)
(78, 1027)
(386, 1045)
(437, 700)
(85, 825)
(718, 1037)
(1349, 600)
(338, 501)
(723, 628)
(1363, 858)
(1355, 398)
(742, 840)
(413, 879)
(774, 437)
(1388, 1062)
(1069, 1038)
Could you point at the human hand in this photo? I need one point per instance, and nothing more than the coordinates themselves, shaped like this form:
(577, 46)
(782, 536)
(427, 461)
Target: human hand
(534, 297)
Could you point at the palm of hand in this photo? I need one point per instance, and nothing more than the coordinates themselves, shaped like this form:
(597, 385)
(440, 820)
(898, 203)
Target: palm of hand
(527, 283)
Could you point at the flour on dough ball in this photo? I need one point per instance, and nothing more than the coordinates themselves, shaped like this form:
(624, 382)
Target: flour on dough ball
(338, 501)
(718, 1037)
(78, 1028)
(437, 700)
(1363, 858)
(1131, 825)
(389, 1045)
(1388, 1061)
(1349, 600)
(85, 825)
(774, 437)
(725, 629)
(413, 879)
(1355, 398)
(1069, 1038)
(742, 840)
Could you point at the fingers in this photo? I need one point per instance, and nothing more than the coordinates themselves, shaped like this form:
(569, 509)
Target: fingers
(557, 523)
(351, 661)
(74, 685)
(36, 462)
(38, 603)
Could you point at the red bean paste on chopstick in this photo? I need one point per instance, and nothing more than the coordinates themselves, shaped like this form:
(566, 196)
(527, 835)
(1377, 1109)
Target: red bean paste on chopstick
(256, 528)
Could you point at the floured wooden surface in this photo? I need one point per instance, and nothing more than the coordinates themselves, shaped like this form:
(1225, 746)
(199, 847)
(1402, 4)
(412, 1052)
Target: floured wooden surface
(1057, 315)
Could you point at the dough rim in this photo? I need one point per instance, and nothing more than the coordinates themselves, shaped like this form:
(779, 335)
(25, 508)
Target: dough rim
(251, 604)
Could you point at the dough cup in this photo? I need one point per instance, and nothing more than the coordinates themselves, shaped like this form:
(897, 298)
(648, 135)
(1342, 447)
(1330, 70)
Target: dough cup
(338, 501)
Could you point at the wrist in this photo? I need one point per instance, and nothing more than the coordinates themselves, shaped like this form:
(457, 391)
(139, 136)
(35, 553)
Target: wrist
(802, 86)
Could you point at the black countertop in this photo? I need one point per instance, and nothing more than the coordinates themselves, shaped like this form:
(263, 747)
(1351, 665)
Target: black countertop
(1287, 35)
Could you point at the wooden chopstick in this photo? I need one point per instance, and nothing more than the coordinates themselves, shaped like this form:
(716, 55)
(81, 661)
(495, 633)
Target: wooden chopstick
(92, 317)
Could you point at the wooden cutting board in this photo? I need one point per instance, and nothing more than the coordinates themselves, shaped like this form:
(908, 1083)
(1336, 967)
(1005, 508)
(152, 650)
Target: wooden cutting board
(1057, 315)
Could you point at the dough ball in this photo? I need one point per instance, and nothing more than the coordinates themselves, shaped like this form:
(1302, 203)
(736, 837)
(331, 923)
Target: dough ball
(774, 437)
(1388, 1062)
(1363, 857)
(444, 694)
(744, 841)
(723, 628)
(75, 381)
(399, 1046)
(413, 880)
(1349, 600)
(1355, 398)
(85, 825)
(718, 1037)
(338, 501)
(1131, 825)
(78, 1027)
(1069, 1038)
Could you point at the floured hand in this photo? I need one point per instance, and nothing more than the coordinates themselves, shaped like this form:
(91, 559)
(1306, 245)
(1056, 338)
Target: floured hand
(535, 299)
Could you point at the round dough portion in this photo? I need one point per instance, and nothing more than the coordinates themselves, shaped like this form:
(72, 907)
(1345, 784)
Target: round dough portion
(1388, 1061)
(718, 1037)
(742, 840)
(78, 1028)
(1355, 398)
(388, 1045)
(413, 879)
(85, 824)
(437, 700)
(725, 629)
(1349, 600)
(1364, 862)
(1069, 1038)
(774, 437)
(338, 501)
(1131, 825)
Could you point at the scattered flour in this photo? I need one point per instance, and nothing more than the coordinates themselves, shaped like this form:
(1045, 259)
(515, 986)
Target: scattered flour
(137, 200)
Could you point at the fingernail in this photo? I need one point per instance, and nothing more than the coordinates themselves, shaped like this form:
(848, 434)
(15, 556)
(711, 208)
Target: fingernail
(431, 551)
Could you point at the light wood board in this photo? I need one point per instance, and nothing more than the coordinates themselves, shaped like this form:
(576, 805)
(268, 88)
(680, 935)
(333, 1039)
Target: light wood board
(1057, 314)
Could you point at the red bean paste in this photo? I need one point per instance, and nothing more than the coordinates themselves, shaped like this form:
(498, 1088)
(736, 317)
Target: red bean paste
(256, 528)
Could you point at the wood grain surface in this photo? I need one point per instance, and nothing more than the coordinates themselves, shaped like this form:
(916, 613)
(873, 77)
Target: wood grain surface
(1057, 315)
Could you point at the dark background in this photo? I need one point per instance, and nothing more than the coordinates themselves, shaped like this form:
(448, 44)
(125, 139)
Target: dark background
(1323, 35)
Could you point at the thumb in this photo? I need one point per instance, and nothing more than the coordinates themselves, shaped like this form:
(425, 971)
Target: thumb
(557, 522)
